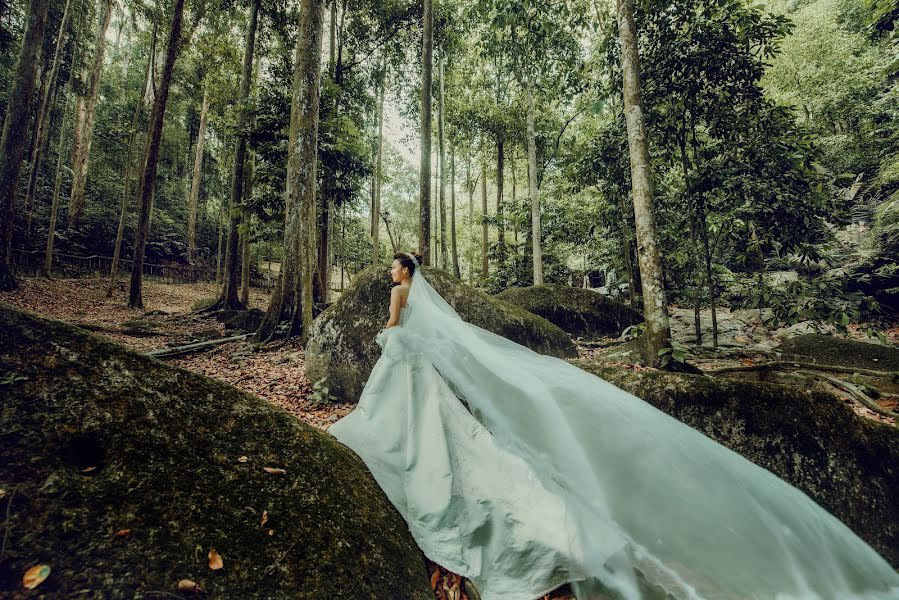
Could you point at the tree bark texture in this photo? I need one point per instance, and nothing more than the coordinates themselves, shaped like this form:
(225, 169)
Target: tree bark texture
(454, 249)
(126, 183)
(229, 300)
(376, 197)
(442, 149)
(54, 206)
(151, 158)
(424, 223)
(80, 162)
(532, 188)
(197, 177)
(292, 299)
(485, 267)
(43, 121)
(15, 126)
(655, 307)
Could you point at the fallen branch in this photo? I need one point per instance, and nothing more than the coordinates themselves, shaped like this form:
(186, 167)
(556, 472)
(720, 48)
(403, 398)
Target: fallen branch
(781, 364)
(856, 394)
(178, 350)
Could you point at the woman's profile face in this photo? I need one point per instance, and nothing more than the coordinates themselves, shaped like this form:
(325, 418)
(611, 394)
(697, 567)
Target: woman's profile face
(398, 272)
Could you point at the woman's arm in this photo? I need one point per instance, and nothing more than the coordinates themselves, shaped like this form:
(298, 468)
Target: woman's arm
(395, 303)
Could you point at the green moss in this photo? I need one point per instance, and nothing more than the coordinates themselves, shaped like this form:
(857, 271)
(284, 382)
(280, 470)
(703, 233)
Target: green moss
(580, 312)
(847, 464)
(342, 350)
(99, 439)
(831, 350)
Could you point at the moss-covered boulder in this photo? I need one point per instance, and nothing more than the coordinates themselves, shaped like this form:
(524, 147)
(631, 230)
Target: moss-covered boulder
(832, 350)
(121, 473)
(580, 312)
(847, 464)
(342, 348)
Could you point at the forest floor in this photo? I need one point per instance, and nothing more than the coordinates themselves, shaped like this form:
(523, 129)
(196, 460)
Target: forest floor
(274, 372)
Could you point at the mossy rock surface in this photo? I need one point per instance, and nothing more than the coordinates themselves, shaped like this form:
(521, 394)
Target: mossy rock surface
(98, 439)
(847, 464)
(342, 346)
(580, 312)
(831, 350)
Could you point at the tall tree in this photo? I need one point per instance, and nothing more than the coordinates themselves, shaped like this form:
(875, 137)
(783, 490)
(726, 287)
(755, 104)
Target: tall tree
(15, 125)
(82, 156)
(292, 299)
(43, 116)
(454, 248)
(151, 157)
(485, 269)
(197, 175)
(54, 205)
(376, 196)
(126, 178)
(427, 62)
(655, 306)
(441, 143)
(229, 300)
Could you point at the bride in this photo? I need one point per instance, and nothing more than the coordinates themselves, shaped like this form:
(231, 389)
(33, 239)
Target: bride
(522, 472)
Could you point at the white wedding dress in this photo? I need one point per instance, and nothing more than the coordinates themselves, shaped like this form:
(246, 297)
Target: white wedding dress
(557, 476)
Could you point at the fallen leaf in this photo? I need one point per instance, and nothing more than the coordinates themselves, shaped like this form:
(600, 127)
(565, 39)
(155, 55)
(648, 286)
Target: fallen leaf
(2, 493)
(35, 576)
(264, 518)
(123, 533)
(271, 532)
(88, 469)
(435, 577)
(274, 470)
(186, 585)
(215, 560)
(243, 459)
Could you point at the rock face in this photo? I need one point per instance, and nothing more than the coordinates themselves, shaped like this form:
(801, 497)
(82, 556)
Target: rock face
(848, 465)
(580, 312)
(96, 440)
(342, 348)
(831, 350)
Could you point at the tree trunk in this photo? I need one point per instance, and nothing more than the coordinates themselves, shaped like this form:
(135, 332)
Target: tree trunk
(218, 249)
(80, 162)
(42, 125)
(54, 206)
(485, 269)
(15, 126)
(293, 297)
(126, 184)
(654, 304)
(470, 187)
(500, 219)
(151, 159)
(626, 252)
(709, 276)
(229, 300)
(442, 149)
(532, 188)
(376, 197)
(454, 250)
(424, 222)
(197, 176)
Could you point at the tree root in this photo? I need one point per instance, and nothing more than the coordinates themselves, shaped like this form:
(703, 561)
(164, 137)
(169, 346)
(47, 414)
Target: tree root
(178, 350)
(783, 364)
(856, 394)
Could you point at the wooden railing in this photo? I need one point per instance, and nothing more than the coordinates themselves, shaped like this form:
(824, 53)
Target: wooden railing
(30, 263)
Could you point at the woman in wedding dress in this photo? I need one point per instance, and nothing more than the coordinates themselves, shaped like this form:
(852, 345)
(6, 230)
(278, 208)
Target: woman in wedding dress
(553, 475)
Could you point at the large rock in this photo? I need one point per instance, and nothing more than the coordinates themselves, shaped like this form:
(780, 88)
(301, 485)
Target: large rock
(847, 464)
(580, 312)
(831, 350)
(96, 440)
(342, 348)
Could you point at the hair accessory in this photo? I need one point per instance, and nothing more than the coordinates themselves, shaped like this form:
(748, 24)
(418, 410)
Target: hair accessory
(412, 256)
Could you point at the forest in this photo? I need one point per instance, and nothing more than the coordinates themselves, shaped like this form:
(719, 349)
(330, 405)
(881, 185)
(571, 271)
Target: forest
(722, 177)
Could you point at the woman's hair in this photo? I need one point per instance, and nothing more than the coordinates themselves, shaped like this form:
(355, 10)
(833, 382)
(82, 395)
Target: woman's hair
(407, 262)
